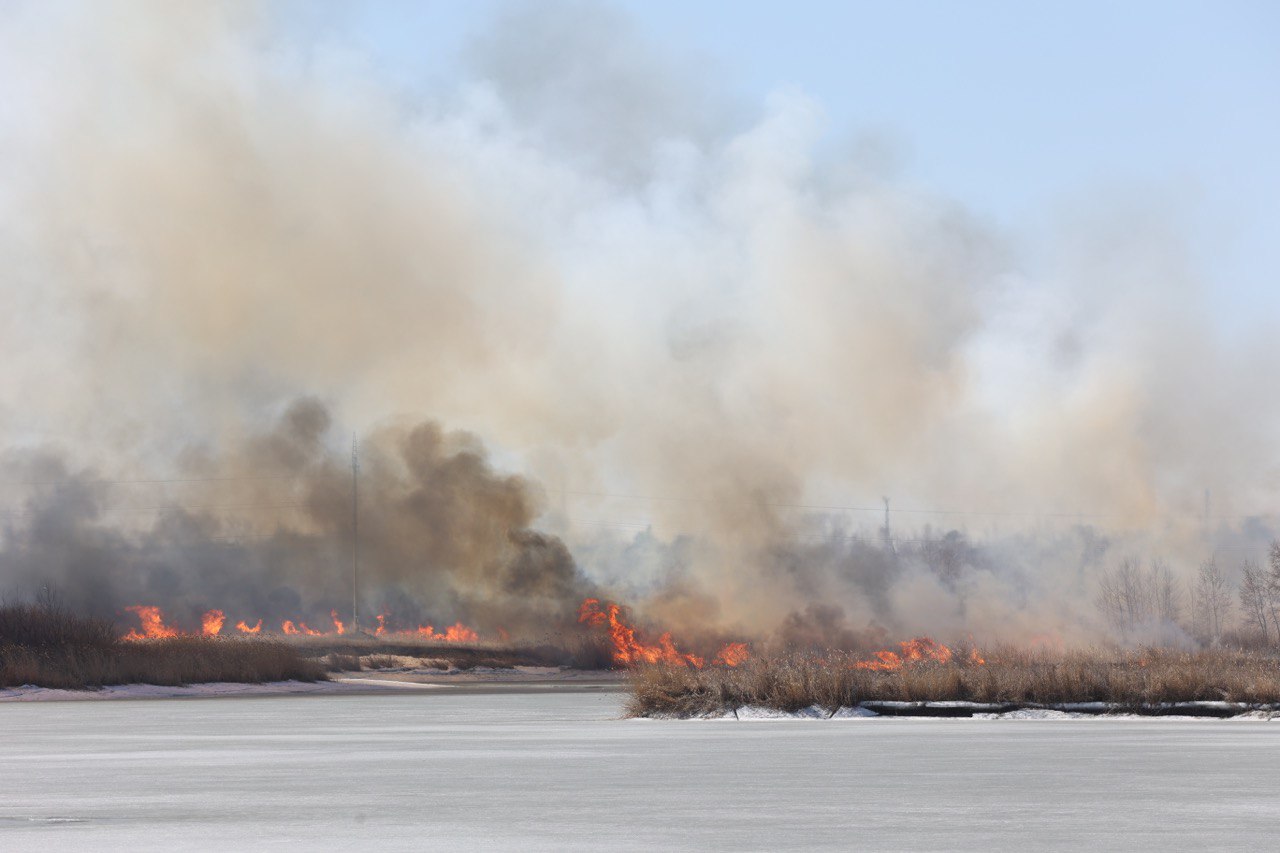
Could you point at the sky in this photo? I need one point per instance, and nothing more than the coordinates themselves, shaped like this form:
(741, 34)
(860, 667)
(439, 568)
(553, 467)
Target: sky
(1029, 116)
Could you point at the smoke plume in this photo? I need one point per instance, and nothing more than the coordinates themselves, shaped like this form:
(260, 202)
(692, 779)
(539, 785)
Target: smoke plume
(715, 339)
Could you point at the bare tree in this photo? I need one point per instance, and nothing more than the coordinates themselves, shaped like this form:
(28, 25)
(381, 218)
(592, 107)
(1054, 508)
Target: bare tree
(1166, 593)
(1255, 599)
(1210, 603)
(1132, 598)
(1127, 596)
(1273, 586)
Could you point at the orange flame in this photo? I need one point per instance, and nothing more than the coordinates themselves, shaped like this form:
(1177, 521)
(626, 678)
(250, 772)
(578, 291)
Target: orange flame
(245, 628)
(288, 627)
(627, 649)
(919, 650)
(211, 623)
(976, 658)
(382, 625)
(456, 633)
(337, 623)
(732, 654)
(152, 620)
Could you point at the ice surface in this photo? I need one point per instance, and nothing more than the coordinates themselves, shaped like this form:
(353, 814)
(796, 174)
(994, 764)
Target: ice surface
(339, 684)
(473, 770)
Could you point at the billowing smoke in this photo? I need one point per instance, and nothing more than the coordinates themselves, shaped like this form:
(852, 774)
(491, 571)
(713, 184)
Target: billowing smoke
(713, 336)
(444, 536)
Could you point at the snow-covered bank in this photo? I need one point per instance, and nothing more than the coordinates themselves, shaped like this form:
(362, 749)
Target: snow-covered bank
(388, 680)
(339, 685)
(977, 710)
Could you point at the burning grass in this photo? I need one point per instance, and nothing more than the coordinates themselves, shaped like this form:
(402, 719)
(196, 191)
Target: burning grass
(1125, 679)
(48, 646)
(572, 651)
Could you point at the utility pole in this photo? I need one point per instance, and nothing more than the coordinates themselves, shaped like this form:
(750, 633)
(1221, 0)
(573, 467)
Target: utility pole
(355, 536)
(888, 538)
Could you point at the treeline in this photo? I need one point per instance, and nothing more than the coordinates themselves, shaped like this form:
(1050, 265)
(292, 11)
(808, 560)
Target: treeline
(1138, 600)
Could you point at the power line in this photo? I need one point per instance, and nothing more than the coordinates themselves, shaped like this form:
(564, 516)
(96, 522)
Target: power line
(28, 513)
(911, 510)
(93, 481)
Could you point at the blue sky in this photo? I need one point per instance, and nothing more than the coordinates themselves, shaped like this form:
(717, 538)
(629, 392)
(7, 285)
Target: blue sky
(1023, 113)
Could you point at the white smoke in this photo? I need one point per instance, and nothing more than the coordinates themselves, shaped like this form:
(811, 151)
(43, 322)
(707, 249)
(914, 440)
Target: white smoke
(623, 279)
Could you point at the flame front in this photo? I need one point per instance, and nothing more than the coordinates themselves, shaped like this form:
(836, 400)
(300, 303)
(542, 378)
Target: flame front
(732, 654)
(153, 626)
(629, 650)
(456, 633)
(211, 623)
(152, 620)
(917, 651)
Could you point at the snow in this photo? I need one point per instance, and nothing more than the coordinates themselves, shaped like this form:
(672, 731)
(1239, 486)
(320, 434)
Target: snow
(452, 769)
(1069, 711)
(339, 685)
(1033, 714)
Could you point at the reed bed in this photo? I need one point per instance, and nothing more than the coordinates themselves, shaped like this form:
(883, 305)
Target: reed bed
(48, 646)
(1126, 679)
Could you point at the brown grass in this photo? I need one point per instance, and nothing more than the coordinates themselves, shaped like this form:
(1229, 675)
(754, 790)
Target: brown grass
(576, 652)
(1130, 679)
(48, 646)
(342, 663)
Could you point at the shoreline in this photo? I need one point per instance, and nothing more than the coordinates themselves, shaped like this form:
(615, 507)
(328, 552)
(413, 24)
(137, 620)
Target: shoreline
(383, 682)
(1205, 710)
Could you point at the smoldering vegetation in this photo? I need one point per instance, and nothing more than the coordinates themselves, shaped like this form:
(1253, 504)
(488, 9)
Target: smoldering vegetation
(47, 645)
(1126, 680)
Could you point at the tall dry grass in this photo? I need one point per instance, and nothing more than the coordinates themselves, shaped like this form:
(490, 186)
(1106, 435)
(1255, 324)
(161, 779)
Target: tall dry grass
(48, 646)
(1009, 676)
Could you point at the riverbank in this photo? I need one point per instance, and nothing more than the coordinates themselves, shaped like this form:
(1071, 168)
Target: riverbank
(999, 681)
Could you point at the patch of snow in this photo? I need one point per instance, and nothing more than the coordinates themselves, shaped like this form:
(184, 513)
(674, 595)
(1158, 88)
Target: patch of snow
(31, 693)
(1032, 714)
(1257, 715)
(387, 682)
(858, 713)
(339, 684)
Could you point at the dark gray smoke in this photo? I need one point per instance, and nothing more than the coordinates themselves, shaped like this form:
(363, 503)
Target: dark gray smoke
(443, 536)
(695, 323)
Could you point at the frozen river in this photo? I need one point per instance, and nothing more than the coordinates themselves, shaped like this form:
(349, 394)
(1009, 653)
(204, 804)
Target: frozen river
(452, 769)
